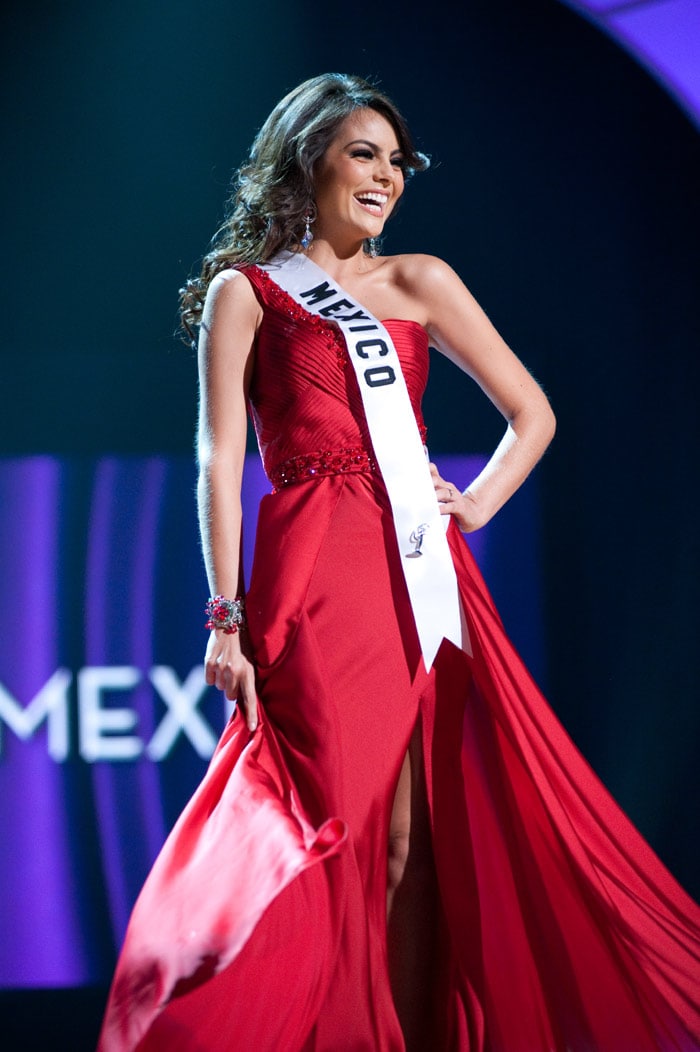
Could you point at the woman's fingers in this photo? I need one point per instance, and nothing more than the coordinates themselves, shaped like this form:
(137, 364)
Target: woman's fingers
(447, 493)
(237, 680)
(248, 698)
(227, 679)
(230, 671)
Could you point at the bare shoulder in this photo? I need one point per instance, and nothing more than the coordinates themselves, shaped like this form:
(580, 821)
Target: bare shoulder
(422, 276)
(231, 296)
(448, 310)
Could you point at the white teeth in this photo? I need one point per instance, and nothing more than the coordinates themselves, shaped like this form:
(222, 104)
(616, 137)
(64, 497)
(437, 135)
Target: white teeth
(379, 199)
(372, 201)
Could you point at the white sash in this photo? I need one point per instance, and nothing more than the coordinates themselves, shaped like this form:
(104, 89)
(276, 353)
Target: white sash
(398, 449)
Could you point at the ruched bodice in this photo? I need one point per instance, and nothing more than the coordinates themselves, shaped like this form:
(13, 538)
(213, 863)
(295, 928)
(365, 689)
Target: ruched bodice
(304, 397)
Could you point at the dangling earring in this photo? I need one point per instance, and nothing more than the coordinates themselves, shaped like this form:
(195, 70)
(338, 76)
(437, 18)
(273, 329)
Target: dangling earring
(307, 237)
(373, 247)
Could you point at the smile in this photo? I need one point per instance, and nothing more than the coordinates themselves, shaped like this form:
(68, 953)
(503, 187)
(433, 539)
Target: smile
(372, 201)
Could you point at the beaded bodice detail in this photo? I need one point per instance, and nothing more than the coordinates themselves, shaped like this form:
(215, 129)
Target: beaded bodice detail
(304, 399)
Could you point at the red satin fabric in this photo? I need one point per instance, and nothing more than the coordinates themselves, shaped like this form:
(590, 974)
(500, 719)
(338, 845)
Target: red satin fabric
(263, 922)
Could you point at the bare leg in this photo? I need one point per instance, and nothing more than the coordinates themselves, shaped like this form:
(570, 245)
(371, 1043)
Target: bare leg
(412, 903)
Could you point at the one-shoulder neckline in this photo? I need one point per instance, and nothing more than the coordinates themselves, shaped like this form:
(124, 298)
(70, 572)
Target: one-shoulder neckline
(328, 321)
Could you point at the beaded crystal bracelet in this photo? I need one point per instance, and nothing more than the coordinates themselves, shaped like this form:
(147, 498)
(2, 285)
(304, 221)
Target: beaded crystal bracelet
(225, 614)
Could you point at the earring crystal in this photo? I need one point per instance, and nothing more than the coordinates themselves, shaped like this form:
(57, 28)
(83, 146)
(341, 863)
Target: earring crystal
(307, 237)
(373, 247)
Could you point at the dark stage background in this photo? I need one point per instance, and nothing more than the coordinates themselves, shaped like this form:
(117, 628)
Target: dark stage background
(564, 191)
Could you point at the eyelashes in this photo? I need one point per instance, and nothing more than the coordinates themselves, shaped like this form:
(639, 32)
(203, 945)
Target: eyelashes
(368, 155)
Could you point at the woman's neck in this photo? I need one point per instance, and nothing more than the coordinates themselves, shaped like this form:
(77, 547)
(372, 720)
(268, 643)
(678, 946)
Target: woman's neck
(341, 264)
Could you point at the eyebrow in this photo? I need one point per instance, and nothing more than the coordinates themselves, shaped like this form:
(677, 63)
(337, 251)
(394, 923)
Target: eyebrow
(368, 142)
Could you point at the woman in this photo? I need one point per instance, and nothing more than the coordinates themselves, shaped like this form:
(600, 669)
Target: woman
(396, 845)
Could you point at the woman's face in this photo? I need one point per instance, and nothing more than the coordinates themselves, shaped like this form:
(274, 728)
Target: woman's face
(359, 178)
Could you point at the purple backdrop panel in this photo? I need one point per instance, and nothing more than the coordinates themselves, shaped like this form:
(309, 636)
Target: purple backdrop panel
(664, 35)
(39, 894)
(602, 6)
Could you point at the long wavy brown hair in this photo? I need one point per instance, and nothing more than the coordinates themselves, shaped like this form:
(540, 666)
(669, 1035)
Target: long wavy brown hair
(274, 190)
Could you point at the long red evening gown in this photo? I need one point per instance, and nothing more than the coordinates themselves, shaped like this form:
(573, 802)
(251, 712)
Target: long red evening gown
(263, 923)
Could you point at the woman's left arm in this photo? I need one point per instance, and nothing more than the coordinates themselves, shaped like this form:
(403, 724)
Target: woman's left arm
(459, 329)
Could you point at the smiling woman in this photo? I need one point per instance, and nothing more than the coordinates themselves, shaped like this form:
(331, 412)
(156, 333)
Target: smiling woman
(396, 846)
(275, 190)
(359, 181)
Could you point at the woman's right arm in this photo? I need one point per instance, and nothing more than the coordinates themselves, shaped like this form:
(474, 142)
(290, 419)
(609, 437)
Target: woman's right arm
(230, 320)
